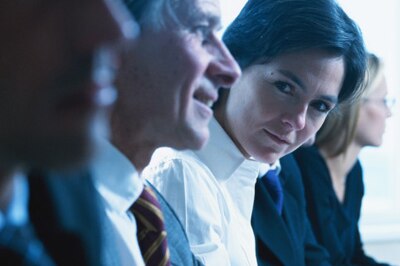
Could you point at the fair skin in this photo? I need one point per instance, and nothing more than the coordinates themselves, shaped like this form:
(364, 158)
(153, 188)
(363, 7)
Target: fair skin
(373, 111)
(50, 99)
(167, 90)
(369, 132)
(277, 106)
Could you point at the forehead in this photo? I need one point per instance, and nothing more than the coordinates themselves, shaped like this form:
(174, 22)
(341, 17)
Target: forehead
(307, 58)
(207, 6)
(203, 9)
(311, 64)
(313, 71)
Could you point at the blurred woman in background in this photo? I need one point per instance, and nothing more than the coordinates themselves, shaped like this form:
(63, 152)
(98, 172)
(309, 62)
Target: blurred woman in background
(332, 173)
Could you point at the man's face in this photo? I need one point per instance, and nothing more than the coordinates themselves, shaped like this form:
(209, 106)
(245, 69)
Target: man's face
(53, 77)
(174, 78)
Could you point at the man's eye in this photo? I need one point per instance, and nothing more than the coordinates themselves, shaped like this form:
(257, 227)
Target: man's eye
(204, 32)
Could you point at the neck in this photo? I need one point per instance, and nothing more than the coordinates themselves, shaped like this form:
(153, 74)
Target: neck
(220, 114)
(139, 154)
(133, 141)
(340, 165)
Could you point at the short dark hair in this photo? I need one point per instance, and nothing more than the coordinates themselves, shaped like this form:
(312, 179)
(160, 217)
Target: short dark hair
(265, 29)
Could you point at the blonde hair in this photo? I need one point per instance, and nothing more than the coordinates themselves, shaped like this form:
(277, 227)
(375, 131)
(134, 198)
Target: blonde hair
(337, 132)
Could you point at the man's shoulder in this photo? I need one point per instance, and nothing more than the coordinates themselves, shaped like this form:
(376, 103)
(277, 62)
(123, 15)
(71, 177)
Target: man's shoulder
(167, 162)
(167, 155)
(61, 210)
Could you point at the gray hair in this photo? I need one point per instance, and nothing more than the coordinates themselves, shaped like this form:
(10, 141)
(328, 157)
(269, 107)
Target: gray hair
(158, 14)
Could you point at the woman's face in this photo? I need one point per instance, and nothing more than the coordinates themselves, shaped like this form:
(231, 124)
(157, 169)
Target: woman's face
(277, 106)
(372, 117)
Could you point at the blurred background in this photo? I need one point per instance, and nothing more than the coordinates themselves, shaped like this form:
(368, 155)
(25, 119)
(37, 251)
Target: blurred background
(380, 222)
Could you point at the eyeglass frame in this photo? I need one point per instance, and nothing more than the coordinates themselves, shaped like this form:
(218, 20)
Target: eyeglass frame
(387, 102)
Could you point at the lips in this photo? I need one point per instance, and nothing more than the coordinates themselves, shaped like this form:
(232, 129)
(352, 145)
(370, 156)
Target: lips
(206, 96)
(205, 101)
(277, 138)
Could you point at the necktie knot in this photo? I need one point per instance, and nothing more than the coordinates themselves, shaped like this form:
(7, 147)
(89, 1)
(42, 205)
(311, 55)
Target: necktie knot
(151, 230)
(274, 187)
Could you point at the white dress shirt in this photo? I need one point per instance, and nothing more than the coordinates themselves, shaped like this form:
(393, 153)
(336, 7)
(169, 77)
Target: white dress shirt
(119, 185)
(212, 192)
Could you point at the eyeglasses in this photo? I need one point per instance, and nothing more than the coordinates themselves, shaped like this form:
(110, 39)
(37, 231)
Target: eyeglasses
(387, 102)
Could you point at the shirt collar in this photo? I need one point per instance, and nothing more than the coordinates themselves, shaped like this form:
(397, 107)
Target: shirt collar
(115, 177)
(264, 168)
(17, 213)
(222, 156)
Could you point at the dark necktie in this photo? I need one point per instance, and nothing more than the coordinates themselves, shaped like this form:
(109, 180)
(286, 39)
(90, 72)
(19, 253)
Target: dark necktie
(150, 229)
(19, 246)
(274, 187)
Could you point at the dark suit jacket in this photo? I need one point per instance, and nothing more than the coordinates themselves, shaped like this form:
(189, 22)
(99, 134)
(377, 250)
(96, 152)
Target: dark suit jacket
(177, 240)
(64, 213)
(288, 239)
(335, 224)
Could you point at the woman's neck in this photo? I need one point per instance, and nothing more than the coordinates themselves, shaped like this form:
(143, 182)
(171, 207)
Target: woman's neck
(339, 167)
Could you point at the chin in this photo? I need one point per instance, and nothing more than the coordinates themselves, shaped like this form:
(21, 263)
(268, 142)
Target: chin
(377, 144)
(269, 158)
(195, 140)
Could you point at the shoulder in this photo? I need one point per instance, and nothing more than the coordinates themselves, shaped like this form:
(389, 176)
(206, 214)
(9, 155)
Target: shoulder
(312, 165)
(183, 180)
(178, 168)
(62, 207)
(307, 156)
(289, 165)
(291, 177)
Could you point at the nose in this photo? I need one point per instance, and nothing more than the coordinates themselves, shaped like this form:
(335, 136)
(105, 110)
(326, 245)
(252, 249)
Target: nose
(223, 68)
(295, 119)
(103, 23)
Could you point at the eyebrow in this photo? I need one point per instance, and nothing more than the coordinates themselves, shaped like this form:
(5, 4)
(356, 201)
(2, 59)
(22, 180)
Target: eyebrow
(295, 79)
(213, 19)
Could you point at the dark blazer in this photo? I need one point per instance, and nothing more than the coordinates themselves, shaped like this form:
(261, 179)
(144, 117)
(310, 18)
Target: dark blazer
(335, 224)
(64, 213)
(178, 242)
(288, 239)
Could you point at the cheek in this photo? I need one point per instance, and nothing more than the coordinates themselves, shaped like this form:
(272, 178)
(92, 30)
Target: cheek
(311, 128)
(373, 117)
(192, 58)
(362, 124)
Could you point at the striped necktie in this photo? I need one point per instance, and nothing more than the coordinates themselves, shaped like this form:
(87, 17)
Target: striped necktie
(151, 231)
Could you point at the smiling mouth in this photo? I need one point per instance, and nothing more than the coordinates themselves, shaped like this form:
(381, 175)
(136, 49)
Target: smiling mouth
(204, 100)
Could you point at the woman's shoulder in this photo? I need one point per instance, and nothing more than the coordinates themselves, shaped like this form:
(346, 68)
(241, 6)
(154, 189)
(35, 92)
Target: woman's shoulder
(308, 157)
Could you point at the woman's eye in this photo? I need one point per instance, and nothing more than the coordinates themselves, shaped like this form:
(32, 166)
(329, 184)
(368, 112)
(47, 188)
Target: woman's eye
(321, 106)
(284, 87)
